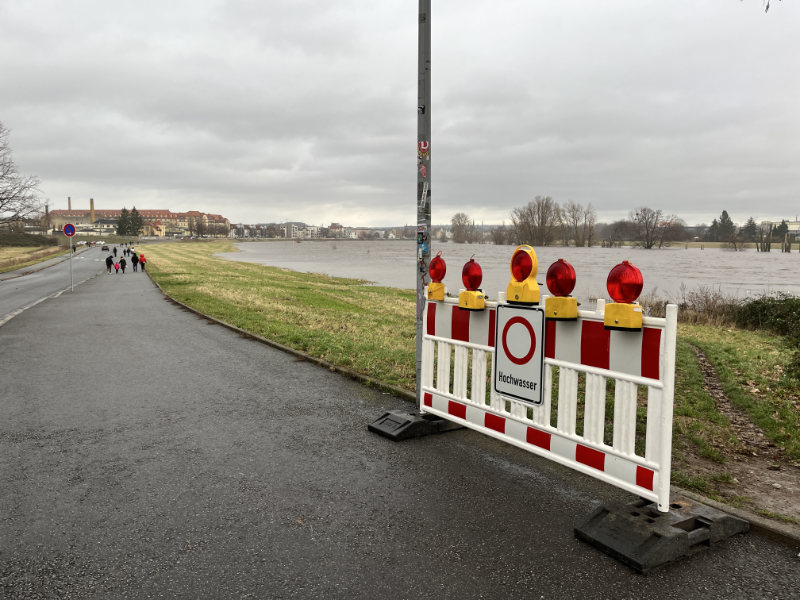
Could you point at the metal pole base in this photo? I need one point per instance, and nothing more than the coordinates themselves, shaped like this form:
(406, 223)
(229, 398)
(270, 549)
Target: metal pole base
(643, 538)
(398, 425)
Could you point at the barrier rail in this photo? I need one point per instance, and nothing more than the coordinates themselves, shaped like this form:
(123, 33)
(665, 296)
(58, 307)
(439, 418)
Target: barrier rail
(623, 438)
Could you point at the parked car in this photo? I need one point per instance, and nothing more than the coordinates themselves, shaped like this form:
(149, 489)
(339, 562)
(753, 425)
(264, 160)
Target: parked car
(104, 248)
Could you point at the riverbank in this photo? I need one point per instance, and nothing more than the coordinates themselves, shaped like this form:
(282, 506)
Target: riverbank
(735, 411)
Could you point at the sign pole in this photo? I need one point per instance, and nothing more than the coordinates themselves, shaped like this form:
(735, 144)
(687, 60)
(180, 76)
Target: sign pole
(423, 172)
(69, 231)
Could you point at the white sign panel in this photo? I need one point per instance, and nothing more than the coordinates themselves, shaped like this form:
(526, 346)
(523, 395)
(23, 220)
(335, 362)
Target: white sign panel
(519, 353)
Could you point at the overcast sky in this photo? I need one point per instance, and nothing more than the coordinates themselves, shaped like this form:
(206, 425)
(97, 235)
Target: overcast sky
(276, 110)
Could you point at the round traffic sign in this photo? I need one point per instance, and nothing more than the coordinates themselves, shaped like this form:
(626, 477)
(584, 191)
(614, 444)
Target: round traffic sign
(69, 230)
(531, 349)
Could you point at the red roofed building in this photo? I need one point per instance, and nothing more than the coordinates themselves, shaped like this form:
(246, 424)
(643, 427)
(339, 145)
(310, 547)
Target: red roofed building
(157, 223)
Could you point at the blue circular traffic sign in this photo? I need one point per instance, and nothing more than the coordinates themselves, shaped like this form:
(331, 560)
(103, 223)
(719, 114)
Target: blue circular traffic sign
(69, 230)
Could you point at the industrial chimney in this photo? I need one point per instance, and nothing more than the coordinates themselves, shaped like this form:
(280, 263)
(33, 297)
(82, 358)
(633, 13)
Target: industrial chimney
(91, 210)
(69, 203)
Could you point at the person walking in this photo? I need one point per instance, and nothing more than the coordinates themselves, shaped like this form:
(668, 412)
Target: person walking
(116, 268)
(122, 264)
(109, 264)
(134, 261)
(115, 252)
(142, 260)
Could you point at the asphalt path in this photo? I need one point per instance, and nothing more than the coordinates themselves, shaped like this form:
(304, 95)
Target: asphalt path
(146, 452)
(26, 287)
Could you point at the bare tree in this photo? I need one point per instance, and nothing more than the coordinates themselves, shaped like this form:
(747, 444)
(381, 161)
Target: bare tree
(646, 222)
(462, 228)
(500, 235)
(19, 195)
(579, 222)
(589, 222)
(537, 222)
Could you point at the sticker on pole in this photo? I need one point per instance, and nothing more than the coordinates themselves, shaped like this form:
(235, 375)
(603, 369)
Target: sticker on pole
(519, 353)
(69, 230)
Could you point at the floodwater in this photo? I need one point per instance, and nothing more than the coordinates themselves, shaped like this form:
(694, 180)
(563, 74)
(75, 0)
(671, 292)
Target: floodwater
(669, 273)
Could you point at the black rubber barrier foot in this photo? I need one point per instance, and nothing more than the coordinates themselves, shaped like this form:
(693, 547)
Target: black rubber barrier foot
(643, 538)
(398, 425)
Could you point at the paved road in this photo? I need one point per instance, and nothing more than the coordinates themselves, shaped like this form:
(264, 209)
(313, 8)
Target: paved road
(19, 293)
(147, 453)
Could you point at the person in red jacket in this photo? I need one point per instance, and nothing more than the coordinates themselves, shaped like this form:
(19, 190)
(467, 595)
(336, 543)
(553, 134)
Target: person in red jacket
(142, 260)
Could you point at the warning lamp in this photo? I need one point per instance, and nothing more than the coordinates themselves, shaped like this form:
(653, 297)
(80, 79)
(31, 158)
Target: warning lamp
(523, 289)
(624, 286)
(436, 270)
(560, 282)
(471, 298)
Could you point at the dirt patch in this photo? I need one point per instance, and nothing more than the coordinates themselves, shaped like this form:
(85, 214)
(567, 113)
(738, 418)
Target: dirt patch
(762, 479)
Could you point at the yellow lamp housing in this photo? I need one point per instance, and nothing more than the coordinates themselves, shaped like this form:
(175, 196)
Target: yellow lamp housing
(436, 291)
(623, 317)
(561, 308)
(523, 289)
(471, 300)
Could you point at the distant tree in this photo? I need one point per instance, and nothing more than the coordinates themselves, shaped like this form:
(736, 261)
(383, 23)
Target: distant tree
(749, 231)
(647, 224)
(124, 222)
(780, 231)
(136, 223)
(537, 222)
(727, 228)
(500, 235)
(461, 226)
(673, 230)
(579, 223)
(712, 233)
(19, 195)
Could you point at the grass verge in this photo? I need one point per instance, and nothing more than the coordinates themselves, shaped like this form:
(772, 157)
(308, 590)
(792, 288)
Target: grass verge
(17, 257)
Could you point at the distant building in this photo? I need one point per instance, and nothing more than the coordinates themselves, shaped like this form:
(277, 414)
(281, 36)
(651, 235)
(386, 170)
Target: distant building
(157, 223)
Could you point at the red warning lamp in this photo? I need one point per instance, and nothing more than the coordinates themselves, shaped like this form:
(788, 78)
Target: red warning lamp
(521, 265)
(523, 289)
(471, 298)
(561, 278)
(436, 270)
(624, 285)
(560, 282)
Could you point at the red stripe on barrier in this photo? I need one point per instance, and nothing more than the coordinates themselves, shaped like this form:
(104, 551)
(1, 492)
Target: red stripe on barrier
(651, 351)
(492, 316)
(644, 478)
(550, 339)
(427, 399)
(589, 456)
(457, 410)
(495, 423)
(431, 318)
(595, 344)
(538, 438)
(460, 324)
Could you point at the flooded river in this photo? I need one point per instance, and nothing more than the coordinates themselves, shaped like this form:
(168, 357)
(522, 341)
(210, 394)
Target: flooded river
(668, 273)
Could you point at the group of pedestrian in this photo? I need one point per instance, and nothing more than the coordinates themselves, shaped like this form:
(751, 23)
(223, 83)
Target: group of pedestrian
(137, 260)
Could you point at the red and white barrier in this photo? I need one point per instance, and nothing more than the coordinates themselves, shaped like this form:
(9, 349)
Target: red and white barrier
(593, 433)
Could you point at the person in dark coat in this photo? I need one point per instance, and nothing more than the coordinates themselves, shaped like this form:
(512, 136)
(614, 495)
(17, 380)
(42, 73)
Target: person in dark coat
(115, 251)
(122, 264)
(109, 263)
(134, 260)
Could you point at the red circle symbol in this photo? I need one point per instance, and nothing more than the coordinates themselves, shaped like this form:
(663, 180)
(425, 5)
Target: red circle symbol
(529, 355)
(69, 230)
